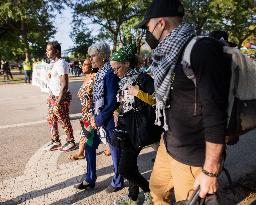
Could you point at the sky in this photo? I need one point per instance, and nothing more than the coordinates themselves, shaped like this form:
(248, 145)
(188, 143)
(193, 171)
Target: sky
(63, 25)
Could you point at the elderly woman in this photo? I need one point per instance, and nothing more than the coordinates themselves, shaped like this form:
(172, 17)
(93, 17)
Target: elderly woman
(104, 103)
(89, 140)
(136, 92)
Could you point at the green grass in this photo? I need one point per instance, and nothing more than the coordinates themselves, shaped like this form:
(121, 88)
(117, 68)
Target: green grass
(17, 78)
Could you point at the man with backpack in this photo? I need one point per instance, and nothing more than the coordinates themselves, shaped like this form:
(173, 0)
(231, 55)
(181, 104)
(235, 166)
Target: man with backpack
(192, 112)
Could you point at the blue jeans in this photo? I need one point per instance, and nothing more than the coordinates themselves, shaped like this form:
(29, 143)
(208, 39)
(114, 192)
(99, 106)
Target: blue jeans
(90, 157)
(27, 74)
(117, 180)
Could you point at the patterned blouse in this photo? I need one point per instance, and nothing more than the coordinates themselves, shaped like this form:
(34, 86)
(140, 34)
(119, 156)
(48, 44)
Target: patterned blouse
(85, 94)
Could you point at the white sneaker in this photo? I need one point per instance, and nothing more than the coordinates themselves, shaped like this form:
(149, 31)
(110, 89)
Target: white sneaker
(69, 146)
(52, 145)
(125, 200)
(147, 199)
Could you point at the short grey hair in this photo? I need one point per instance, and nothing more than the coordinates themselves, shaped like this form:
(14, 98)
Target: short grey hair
(102, 48)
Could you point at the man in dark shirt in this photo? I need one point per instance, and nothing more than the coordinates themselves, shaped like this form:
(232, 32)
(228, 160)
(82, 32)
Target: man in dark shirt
(7, 71)
(194, 114)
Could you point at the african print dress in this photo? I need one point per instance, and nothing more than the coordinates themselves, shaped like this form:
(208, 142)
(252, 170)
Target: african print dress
(85, 94)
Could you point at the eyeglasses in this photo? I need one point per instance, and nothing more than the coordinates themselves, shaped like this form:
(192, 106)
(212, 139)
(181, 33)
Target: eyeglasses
(116, 69)
(93, 55)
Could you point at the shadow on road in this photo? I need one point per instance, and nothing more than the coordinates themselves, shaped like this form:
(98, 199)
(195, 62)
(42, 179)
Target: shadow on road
(145, 165)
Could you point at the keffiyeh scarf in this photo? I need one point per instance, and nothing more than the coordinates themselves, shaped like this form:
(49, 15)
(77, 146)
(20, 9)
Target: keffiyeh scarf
(98, 88)
(165, 58)
(126, 101)
(129, 78)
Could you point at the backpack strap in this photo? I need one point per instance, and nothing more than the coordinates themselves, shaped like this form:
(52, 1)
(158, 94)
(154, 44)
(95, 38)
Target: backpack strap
(186, 60)
(186, 66)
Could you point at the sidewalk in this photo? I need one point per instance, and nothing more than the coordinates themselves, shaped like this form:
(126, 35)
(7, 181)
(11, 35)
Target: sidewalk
(48, 179)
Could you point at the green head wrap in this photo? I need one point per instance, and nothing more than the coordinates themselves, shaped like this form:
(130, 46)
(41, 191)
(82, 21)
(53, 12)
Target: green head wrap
(124, 54)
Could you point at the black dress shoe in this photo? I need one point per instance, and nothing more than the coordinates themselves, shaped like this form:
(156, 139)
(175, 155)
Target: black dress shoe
(111, 189)
(84, 185)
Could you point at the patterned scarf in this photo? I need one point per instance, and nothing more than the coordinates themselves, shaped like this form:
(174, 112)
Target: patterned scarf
(165, 58)
(98, 88)
(126, 101)
(129, 78)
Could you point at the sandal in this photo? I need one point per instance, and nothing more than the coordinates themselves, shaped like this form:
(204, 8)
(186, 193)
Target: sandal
(107, 152)
(75, 157)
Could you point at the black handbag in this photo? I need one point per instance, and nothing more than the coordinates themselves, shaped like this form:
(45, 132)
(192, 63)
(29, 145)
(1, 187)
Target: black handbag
(141, 128)
(140, 121)
(196, 200)
(120, 135)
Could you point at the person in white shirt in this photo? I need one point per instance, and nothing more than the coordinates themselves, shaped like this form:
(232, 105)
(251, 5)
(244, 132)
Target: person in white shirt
(58, 100)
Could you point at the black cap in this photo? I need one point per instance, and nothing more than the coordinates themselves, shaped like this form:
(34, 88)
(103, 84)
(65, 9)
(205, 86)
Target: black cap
(162, 8)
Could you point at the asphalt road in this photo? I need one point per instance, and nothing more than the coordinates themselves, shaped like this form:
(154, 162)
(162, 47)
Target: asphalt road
(23, 132)
(23, 127)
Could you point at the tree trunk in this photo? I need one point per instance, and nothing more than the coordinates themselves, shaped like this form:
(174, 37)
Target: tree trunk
(24, 37)
(139, 43)
(0, 63)
(114, 41)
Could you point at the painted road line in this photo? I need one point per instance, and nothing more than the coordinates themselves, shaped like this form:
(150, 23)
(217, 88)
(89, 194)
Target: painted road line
(72, 117)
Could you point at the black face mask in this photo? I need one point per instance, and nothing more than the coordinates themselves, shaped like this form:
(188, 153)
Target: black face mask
(151, 40)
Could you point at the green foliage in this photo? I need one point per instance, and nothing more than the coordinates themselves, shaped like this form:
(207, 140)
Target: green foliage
(30, 26)
(10, 47)
(197, 12)
(129, 35)
(110, 14)
(83, 41)
(234, 16)
(237, 17)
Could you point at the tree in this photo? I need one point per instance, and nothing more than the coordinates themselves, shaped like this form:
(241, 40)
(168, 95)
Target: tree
(110, 14)
(130, 35)
(198, 13)
(29, 23)
(237, 17)
(83, 40)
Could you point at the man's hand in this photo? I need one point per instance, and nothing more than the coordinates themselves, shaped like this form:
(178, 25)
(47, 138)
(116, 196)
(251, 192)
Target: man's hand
(133, 90)
(208, 185)
(116, 114)
(212, 164)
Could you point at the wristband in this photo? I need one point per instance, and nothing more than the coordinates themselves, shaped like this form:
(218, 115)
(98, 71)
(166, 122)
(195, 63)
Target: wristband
(209, 174)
